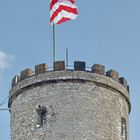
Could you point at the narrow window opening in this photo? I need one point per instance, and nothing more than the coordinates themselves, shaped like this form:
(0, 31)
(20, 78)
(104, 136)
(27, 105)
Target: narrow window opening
(41, 114)
(123, 129)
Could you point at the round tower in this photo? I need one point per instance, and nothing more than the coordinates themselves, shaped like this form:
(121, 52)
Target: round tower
(66, 104)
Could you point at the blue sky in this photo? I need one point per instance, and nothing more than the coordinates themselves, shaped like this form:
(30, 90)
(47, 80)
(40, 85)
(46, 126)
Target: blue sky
(106, 32)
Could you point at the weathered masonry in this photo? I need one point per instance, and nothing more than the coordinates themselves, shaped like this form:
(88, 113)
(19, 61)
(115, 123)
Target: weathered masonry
(64, 104)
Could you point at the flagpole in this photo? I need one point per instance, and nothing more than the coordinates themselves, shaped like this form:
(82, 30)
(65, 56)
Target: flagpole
(54, 45)
(67, 58)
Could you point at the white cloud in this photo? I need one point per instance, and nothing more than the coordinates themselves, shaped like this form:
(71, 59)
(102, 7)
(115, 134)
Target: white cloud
(5, 60)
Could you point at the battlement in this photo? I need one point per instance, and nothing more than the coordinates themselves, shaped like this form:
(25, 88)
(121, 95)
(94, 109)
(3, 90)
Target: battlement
(78, 66)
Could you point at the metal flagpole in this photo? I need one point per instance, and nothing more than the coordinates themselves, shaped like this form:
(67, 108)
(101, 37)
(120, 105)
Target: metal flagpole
(67, 58)
(54, 47)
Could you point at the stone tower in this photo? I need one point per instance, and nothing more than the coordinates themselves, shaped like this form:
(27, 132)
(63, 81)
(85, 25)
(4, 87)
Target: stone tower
(69, 104)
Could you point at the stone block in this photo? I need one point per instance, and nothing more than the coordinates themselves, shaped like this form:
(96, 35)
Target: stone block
(79, 66)
(41, 68)
(15, 80)
(26, 73)
(123, 81)
(113, 74)
(99, 69)
(59, 65)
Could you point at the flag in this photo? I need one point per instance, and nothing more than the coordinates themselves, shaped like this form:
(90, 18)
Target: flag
(62, 10)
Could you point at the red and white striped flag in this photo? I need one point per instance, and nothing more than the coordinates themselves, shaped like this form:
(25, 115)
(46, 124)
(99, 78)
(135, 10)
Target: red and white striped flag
(62, 10)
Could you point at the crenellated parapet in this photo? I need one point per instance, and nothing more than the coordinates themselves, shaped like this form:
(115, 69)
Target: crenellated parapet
(78, 66)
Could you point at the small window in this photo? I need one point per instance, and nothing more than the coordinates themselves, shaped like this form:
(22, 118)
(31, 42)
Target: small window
(123, 129)
(41, 114)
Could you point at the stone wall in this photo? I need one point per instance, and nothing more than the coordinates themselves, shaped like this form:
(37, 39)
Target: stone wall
(80, 104)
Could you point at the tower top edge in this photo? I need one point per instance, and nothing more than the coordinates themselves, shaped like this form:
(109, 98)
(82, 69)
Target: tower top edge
(60, 66)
